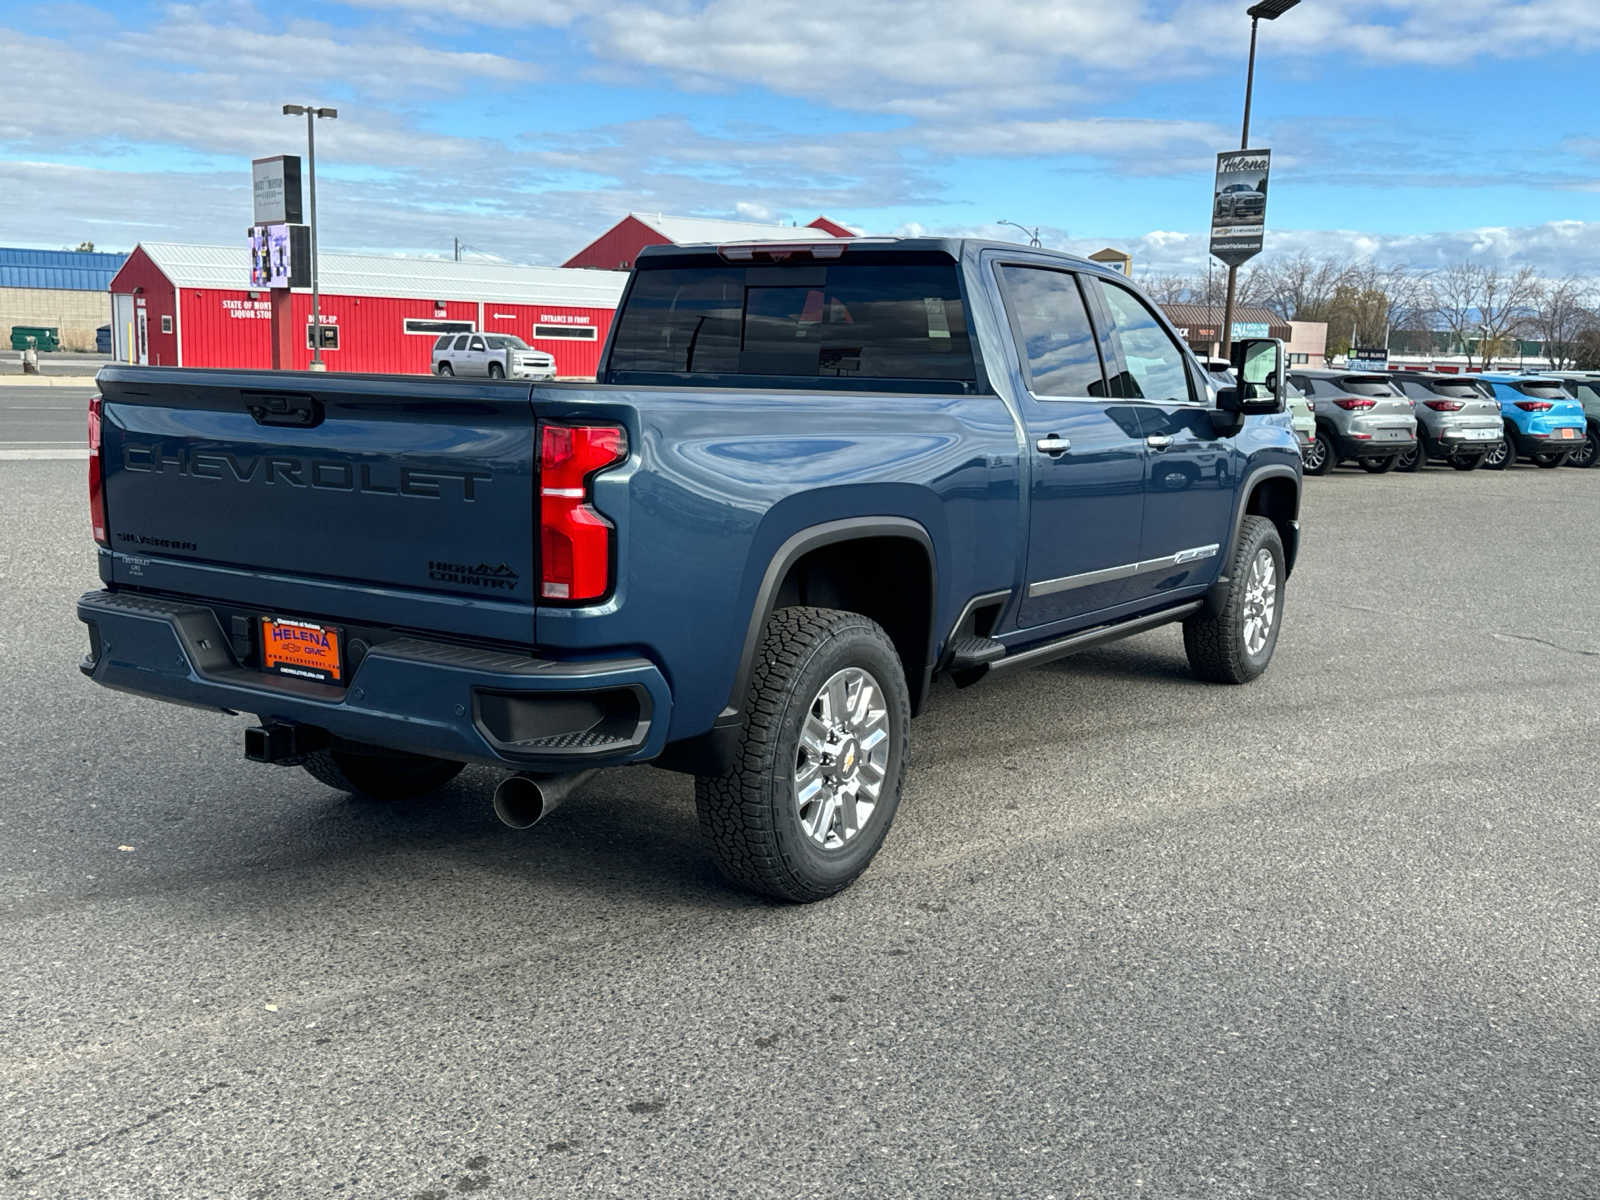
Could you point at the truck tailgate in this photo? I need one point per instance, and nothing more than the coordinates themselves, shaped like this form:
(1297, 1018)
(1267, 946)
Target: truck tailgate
(389, 500)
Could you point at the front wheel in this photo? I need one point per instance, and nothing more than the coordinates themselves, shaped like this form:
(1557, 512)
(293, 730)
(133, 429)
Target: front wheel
(1235, 645)
(1550, 460)
(381, 774)
(496, 371)
(1588, 454)
(821, 758)
(1377, 466)
(1465, 462)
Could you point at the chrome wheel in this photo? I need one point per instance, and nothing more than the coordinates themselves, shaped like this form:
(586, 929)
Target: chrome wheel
(843, 758)
(1260, 601)
(1313, 454)
(1496, 457)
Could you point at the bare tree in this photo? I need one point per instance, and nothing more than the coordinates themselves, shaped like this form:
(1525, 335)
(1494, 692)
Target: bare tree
(1301, 288)
(1167, 289)
(1562, 310)
(1483, 301)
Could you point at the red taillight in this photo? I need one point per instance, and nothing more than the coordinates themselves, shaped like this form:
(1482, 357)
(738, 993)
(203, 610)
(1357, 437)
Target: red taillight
(1444, 405)
(1535, 405)
(1354, 403)
(574, 540)
(97, 485)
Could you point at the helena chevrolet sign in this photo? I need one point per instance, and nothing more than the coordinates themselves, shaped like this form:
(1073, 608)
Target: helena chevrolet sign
(1239, 205)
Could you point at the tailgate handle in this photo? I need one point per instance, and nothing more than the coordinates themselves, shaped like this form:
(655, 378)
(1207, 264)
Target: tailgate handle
(295, 409)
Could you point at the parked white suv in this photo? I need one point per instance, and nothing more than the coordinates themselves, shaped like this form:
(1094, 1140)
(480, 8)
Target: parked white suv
(496, 355)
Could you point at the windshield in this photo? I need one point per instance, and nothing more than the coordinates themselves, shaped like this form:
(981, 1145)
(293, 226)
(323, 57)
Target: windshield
(505, 341)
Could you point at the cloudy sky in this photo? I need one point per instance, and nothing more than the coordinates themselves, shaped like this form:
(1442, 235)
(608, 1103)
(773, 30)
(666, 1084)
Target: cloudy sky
(1418, 131)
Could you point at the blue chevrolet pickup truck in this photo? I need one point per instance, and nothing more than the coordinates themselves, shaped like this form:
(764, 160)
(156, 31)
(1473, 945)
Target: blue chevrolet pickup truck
(809, 479)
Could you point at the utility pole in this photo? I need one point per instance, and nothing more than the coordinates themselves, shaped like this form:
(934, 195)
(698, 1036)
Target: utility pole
(1269, 10)
(311, 115)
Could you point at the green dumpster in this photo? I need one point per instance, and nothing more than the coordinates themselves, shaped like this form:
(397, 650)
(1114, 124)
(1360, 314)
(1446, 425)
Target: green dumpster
(45, 337)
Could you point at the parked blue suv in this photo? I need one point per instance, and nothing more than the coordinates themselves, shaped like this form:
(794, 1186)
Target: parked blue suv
(1542, 421)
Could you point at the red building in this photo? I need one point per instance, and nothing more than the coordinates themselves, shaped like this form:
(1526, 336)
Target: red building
(188, 306)
(618, 247)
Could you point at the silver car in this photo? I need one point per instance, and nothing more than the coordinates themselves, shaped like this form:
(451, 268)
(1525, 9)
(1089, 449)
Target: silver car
(1456, 420)
(492, 356)
(1359, 416)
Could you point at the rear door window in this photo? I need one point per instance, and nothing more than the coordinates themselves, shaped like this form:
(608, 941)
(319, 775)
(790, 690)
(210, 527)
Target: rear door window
(803, 324)
(1050, 323)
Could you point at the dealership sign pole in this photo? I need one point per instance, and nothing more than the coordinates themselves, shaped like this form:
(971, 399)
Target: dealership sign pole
(280, 249)
(1238, 219)
(1232, 237)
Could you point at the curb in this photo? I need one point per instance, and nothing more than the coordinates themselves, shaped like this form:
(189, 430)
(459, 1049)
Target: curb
(78, 381)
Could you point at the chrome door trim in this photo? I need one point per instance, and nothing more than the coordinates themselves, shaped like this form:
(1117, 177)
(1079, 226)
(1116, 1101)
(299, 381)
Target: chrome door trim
(1049, 587)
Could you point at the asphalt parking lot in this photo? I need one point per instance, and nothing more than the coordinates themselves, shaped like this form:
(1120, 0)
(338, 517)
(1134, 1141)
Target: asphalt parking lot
(1333, 934)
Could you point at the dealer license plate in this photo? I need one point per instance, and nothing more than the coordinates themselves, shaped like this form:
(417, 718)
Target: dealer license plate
(1483, 435)
(301, 649)
(1569, 432)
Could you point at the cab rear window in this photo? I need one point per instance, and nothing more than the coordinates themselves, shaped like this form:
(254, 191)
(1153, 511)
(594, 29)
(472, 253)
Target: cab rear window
(800, 325)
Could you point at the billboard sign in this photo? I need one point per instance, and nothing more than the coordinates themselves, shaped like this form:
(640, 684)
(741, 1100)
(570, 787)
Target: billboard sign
(280, 256)
(276, 186)
(1239, 205)
(1250, 329)
(1368, 358)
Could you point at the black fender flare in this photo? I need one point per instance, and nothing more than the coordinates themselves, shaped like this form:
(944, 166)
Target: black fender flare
(793, 549)
(1217, 594)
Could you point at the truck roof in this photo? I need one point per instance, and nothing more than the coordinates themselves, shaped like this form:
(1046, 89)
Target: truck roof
(841, 248)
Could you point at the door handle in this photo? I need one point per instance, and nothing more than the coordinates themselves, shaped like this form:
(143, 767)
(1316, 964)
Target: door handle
(1054, 445)
(1158, 441)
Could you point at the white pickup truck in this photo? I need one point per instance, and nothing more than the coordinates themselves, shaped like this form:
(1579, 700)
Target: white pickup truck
(495, 355)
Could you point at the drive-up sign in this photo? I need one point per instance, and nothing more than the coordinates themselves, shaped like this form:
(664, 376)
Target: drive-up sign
(1239, 205)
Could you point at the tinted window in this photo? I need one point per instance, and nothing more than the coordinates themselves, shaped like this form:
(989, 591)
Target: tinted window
(1367, 385)
(1588, 393)
(1458, 391)
(1543, 390)
(842, 321)
(442, 344)
(1153, 368)
(1051, 325)
(506, 341)
(1416, 389)
(461, 342)
(476, 343)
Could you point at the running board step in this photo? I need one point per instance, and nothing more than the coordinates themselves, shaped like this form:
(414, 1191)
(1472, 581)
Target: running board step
(971, 652)
(1097, 636)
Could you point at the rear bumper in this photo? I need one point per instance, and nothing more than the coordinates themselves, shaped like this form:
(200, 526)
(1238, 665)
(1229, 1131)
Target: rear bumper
(426, 697)
(1542, 441)
(1351, 447)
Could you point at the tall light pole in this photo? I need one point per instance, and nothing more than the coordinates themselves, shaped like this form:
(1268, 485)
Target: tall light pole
(1033, 234)
(1266, 10)
(311, 115)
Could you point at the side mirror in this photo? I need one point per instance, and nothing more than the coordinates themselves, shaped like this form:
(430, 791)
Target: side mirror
(1258, 365)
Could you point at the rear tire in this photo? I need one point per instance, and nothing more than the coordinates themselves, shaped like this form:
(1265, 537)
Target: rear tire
(1501, 455)
(1225, 647)
(1412, 460)
(446, 370)
(1378, 466)
(802, 748)
(1588, 454)
(381, 774)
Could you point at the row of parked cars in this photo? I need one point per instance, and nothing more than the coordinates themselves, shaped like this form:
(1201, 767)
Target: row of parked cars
(1400, 420)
